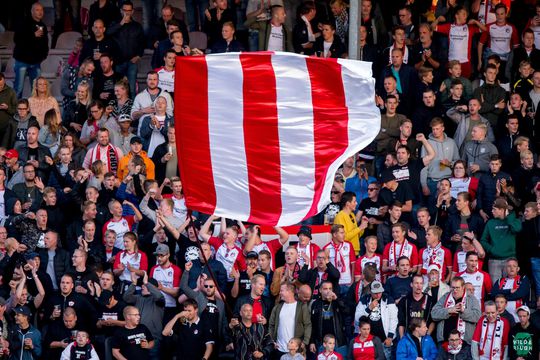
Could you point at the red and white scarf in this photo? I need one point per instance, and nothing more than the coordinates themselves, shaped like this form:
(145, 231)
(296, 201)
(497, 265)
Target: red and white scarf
(515, 286)
(393, 256)
(339, 261)
(433, 255)
(112, 157)
(450, 301)
(496, 347)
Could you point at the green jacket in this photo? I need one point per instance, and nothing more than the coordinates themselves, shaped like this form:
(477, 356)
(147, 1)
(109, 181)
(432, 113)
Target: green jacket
(265, 28)
(302, 327)
(499, 237)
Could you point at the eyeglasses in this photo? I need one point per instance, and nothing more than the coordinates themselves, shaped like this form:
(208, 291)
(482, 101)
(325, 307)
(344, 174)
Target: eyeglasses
(208, 286)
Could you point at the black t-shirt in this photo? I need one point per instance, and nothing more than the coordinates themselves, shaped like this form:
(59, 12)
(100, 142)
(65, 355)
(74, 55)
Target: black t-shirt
(370, 209)
(327, 315)
(410, 174)
(196, 335)
(523, 342)
(402, 194)
(188, 251)
(210, 316)
(244, 284)
(114, 313)
(128, 341)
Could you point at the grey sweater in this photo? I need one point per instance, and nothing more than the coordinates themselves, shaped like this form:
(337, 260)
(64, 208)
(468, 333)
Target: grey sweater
(470, 315)
(150, 306)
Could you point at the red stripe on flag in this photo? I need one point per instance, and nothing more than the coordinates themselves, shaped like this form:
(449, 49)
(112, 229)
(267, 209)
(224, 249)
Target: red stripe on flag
(192, 139)
(330, 119)
(261, 138)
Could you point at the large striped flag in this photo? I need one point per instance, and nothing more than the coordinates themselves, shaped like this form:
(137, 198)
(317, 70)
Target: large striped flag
(261, 135)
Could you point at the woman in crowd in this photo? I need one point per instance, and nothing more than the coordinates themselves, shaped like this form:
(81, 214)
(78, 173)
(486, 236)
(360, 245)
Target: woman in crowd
(78, 151)
(461, 181)
(77, 110)
(123, 103)
(50, 134)
(365, 346)
(42, 100)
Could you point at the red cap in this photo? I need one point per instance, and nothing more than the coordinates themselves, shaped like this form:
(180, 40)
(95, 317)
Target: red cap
(11, 154)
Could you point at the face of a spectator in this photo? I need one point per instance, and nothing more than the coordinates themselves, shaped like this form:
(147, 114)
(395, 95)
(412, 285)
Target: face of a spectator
(29, 173)
(395, 212)
(326, 289)
(512, 125)
(495, 166)
(129, 244)
(398, 234)
(516, 101)
(491, 75)
(42, 86)
(41, 217)
(229, 236)
(429, 98)
(170, 60)
(536, 79)
(70, 321)
(491, 313)
(21, 320)
(285, 293)
(339, 236)
(103, 138)
(90, 212)
(402, 156)
(32, 135)
(206, 251)
(527, 162)
(461, 203)
(227, 32)
(120, 92)
(221, 4)
(191, 313)
(209, 287)
(461, 17)
(424, 34)
(66, 285)
(457, 90)
(500, 16)
(291, 256)
(98, 29)
(116, 209)
(389, 85)
(478, 134)
(106, 281)
(96, 112)
(474, 105)
(472, 263)
(391, 105)
(423, 218)
(37, 12)
(404, 17)
(278, 16)
(328, 32)
(529, 213)
(106, 64)
(166, 15)
(523, 317)
(246, 312)
(177, 187)
(257, 288)
(152, 81)
(397, 58)
(444, 186)
(50, 198)
(389, 161)
(512, 268)
(406, 129)
(133, 317)
(458, 289)
(263, 262)
(404, 267)
(528, 39)
(65, 155)
(366, 8)
(161, 105)
(431, 238)
(89, 230)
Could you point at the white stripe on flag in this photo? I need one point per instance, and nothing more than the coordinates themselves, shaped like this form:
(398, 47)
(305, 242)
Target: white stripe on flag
(295, 126)
(364, 117)
(226, 132)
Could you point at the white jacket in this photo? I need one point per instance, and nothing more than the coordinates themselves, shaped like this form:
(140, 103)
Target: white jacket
(143, 100)
(389, 314)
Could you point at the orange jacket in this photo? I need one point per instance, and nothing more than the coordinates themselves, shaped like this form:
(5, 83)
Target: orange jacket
(124, 161)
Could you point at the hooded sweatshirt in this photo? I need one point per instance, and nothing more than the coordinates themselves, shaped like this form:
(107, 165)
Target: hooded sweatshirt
(445, 149)
(478, 152)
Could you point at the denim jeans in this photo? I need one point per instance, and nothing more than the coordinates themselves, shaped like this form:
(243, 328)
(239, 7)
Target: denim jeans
(535, 267)
(151, 12)
(195, 14)
(21, 70)
(129, 70)
(254, 40)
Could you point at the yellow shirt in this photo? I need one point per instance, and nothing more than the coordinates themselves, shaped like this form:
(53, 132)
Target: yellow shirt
(352, 231)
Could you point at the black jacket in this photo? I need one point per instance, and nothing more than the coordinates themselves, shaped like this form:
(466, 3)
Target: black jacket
(62, 262)
(43, 168)
(266, 304)
(105, 46)
(475, 223)
(337, 49)
(338, 313)
(129, 39)
(160, 167)
(29, 48)
(310, 277)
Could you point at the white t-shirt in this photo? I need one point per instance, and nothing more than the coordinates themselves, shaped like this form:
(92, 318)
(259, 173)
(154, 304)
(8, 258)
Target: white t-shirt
(166, 79)
(287, 321)
(327, 45)
(275, 42)
(157, 137)
(2, 205)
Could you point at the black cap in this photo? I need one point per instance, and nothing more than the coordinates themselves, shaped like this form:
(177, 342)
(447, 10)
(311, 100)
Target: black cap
(252, 255)
(135, 139)
(387, 176)
(306, 230)
(31, 255)
(24, 310)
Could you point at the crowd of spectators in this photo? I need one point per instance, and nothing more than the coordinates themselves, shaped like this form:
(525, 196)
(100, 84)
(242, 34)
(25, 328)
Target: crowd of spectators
(434, 228)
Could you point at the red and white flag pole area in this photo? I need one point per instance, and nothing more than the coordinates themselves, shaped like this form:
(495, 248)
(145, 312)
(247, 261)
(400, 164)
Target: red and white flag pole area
(261, 135)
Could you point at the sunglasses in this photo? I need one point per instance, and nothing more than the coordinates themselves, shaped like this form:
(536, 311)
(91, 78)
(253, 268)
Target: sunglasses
(208, 286)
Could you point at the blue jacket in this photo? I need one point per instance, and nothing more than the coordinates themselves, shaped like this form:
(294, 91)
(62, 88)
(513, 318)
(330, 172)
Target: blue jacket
(406, 349)
(359, 187)
(16, 344)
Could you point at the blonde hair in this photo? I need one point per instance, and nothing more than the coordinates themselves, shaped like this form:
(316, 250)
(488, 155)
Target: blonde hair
(52, 122)
(34, 87)
(301, 346)
(84, 84)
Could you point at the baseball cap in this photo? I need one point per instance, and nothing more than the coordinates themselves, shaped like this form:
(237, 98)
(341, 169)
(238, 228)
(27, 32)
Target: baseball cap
(377, 287)
(433, 267)
(524, 308)
(252, 255)
(387, 176)
(31, 255)
(306, 230)
(135, 139)
(161, 249)
(24, 310)
(2, 301)
(11, 154)
(124, 118)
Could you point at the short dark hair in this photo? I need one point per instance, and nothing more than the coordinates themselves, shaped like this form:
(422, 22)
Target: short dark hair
(190, 302)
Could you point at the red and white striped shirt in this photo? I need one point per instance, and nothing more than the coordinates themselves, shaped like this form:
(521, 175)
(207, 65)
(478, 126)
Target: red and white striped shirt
(501, 39)
(169, 277)
(231, 258)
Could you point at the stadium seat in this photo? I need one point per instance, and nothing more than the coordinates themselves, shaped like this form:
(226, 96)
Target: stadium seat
(67, 40)
(198, 39)
(108, 349)
(6, 39)
(51, 66)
